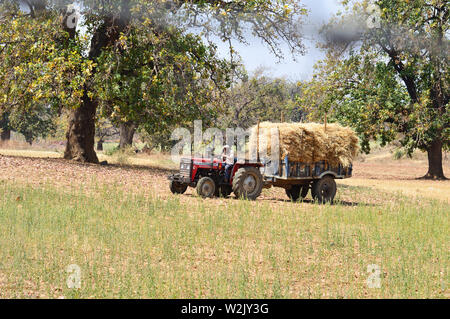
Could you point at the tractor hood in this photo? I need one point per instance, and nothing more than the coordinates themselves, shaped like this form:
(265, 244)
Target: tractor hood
(201, 161)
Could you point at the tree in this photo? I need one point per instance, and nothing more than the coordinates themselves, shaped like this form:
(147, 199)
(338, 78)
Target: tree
(31, 124)
(127, 130)
(29, 87)
(157, 80)
(390, 80)
(38, 123)
(41, 70)
(5, 129)
(48, 28)
(104, 129)
(259, 97)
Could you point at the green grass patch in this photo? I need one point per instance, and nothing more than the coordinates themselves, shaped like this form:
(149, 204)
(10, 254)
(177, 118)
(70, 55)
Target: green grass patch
(133, 246)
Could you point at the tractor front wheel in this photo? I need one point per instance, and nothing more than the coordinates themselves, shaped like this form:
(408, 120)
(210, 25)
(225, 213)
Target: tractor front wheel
(177, 187)
(324, 190)
(248, 183)
(206, 187)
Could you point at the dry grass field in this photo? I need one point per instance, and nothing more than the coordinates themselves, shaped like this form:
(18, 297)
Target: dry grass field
(132, 238)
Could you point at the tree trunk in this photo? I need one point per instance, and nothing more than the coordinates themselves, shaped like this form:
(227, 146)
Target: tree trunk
(81, 132)
(100, 145)
(435, 168)
(127, 131)
(5, 135)
(29, 139)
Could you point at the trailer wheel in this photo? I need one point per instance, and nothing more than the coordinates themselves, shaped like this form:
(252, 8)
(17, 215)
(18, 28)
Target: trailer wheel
(206, 187)
(296, 191)
(177, 187)
(248, 183)
(305, 190)
(324, 190)
(313, 190)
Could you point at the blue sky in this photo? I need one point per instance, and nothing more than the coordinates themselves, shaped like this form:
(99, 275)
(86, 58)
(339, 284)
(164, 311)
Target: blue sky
(256, 54)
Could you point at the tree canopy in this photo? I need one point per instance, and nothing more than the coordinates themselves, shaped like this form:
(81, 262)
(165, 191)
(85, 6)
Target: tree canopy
(389, 76)
(135, 59)
(259, 97)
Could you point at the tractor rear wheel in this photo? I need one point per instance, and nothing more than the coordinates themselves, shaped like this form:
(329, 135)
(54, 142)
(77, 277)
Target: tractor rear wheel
(324, 190)
(206, 187)
(248, 183)
(177, 187)
(296, 191)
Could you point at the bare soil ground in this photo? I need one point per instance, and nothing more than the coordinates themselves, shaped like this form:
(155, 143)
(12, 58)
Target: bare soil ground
(148, 174)
(400, 176)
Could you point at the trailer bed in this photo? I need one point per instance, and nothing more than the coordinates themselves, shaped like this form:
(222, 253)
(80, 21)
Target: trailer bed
(288, 172)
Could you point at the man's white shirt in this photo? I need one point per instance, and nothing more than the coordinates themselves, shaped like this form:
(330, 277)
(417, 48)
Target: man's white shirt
(229, 157)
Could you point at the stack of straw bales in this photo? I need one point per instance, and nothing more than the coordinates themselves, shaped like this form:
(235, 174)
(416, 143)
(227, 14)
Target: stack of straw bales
(308, 142)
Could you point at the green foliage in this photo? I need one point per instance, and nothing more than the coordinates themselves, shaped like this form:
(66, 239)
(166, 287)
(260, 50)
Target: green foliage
(159, 79)
(135, 58)
(61, 123)
(360, 92)
(122, 156)
(276, 22)
(4, 122)
(38, 65)
(31, 124)
(260, 97)
(399, 154)
(41, 71)
(391, 83)
(110, 151)
(104, 128)
(34, 124)
(159, 140)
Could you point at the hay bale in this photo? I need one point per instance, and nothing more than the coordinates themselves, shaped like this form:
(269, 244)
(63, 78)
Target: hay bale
(308, 142)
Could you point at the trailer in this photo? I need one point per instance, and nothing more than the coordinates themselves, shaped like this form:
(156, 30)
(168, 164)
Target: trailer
(298, 178)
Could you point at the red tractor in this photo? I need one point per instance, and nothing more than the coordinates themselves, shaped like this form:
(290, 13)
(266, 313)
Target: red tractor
(248, 179)
(208, 177)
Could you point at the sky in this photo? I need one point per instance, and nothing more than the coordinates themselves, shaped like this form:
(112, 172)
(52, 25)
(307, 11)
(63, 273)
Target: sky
(258, 55)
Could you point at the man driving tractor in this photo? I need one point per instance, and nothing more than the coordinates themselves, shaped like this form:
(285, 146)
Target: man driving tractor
(228, 158)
